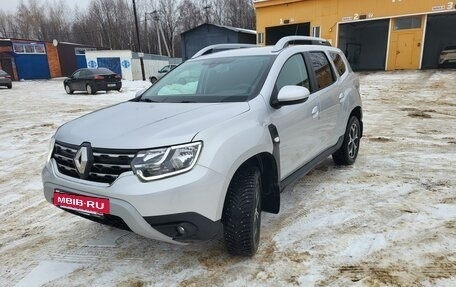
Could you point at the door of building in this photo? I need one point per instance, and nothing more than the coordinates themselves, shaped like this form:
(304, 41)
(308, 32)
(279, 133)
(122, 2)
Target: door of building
(405, 43)
(7, 66)
(111, 63)
(404, 51)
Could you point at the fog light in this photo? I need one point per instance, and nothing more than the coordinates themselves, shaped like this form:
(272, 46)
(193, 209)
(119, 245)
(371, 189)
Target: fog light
(180, 229)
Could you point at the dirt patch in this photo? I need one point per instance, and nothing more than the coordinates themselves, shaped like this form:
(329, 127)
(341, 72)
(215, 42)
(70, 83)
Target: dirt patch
(419, 114)
(380, 139)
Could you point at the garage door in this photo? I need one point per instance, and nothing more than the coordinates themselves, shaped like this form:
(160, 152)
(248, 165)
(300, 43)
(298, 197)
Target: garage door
(32, 66)
(440, 32)
(274, 34)
(365, 44)
(81, 61)
(111, 63)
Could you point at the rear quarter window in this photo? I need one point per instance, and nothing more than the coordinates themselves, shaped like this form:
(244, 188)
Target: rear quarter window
(322, 68)
(338, 62)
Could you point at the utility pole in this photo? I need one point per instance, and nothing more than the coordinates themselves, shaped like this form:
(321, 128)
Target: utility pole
(206, 8)
(141, 59)
(157, 19)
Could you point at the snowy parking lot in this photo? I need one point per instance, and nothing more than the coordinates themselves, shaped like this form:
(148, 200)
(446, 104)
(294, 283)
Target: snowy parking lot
(388, 220)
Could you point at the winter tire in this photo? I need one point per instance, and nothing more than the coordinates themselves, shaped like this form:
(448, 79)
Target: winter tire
(153, 80)
(68, 90)
(242, 212)
(347, 153)
(9, 86)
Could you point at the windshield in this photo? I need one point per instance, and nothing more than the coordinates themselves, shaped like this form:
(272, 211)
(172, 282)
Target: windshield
(231, 79)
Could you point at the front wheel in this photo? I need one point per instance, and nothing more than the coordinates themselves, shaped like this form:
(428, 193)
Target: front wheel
(10, 86)
(242, 212)
(68, 90)
(347, 153)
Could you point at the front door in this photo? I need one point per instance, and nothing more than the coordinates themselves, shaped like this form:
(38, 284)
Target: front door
(406, 38)
(297, 125)
(404, 52)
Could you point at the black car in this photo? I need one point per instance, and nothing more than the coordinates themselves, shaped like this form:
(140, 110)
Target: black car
(5, 79)
(92, 81)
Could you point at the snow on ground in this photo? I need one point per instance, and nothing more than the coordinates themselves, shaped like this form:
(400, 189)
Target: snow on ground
(388, 220)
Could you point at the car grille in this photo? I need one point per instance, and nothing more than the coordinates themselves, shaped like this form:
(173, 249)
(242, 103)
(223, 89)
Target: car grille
(107, 165)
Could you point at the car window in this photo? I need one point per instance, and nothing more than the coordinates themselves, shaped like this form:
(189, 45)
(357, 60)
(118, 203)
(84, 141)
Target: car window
(76, 74)
(164, 69)
(293, 73)
(100, 71)
(229, 79)
(85, 74)
(338, 62)
(322, 69)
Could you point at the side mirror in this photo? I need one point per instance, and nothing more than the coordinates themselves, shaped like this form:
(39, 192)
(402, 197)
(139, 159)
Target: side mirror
(291, 95)
(139, 93)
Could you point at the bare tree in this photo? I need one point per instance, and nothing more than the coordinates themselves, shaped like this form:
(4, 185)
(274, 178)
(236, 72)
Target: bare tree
(110, 23)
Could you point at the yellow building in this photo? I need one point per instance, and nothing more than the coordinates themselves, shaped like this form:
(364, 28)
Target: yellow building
(374, 34)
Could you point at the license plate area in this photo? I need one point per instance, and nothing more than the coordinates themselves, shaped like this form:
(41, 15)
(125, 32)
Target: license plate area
(111, 85)
(82, 203)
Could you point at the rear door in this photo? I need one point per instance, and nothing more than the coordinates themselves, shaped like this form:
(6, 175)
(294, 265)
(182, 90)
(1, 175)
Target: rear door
(328, 92)
(347, 87)
(298, 124)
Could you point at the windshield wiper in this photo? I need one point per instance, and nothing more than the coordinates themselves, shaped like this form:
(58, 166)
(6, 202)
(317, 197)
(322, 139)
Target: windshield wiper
(147, 100)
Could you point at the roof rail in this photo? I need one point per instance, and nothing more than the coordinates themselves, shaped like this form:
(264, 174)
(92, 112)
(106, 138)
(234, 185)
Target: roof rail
(211, 49)
(285, 41)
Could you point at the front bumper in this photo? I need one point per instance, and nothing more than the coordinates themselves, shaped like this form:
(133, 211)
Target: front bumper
(152, 209)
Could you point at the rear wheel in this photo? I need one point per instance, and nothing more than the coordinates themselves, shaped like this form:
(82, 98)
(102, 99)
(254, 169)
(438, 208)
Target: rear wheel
(153, 80)
(242, 212)
(347, 153)
(90, 89)
(68, 90)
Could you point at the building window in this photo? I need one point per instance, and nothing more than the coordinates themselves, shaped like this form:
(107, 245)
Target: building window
(19, 48)
(82, 51)
(260, 39)
(29, 48)
(407, 23)
(316, 31)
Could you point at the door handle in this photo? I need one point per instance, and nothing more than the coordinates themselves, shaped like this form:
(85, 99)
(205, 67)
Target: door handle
(315, 112)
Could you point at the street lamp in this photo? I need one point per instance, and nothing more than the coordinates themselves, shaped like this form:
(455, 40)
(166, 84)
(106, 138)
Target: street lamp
(141, 55)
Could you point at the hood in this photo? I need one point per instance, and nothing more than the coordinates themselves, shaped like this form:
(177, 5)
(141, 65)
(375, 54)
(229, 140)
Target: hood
(139, 125)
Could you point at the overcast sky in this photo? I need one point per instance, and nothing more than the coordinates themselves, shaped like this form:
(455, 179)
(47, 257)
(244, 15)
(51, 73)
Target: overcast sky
(10, 5)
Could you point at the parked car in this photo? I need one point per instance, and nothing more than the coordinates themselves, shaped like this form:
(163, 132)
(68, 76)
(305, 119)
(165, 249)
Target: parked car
(210, 146)
(92, 81)
(163, 71)
(5, 79)
(447, 56)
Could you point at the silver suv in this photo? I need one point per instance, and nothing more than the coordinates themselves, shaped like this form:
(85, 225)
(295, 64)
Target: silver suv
(211, 145)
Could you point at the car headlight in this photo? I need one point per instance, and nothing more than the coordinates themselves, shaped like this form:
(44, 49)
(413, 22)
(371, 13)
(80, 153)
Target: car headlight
(50, 149)
(168, 161)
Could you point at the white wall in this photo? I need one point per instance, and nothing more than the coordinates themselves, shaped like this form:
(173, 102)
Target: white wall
(151, 67)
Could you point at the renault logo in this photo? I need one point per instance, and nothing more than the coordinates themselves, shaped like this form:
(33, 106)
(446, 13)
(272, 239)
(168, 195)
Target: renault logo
(83, 160)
